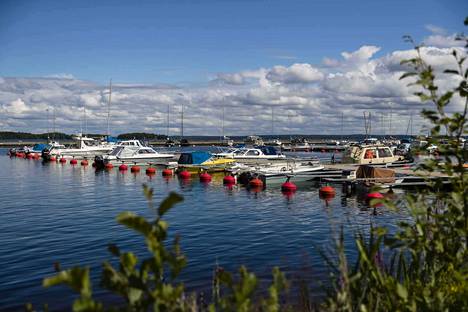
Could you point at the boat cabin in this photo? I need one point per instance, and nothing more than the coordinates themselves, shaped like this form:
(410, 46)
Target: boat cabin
(366, 155)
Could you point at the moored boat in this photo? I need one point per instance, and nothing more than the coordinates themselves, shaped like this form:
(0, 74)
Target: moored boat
(132, 152)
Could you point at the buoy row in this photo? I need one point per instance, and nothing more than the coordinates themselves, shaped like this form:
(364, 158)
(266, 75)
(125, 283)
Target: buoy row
(24, 155)
(288, 188)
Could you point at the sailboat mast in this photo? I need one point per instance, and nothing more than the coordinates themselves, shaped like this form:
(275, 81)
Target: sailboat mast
(167, 121)
(272, 120)
(342, 125)
(48, 126)
(222, 121)
(108, 108)
(53, 135)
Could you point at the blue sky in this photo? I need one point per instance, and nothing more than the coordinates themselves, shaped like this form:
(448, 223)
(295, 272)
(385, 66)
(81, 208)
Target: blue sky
(311, 62)
(191, 41)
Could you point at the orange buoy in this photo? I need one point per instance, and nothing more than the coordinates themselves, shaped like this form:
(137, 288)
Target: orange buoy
(52, 158)
(37, 156)
(256, 182)
(84, 162)
(288, 187)
(135, 169)
(229, 180)
(205, 177)
(73, 161)
(185, 174)
(167, 172)
(123, 167)
(150, 170)
(108, 166)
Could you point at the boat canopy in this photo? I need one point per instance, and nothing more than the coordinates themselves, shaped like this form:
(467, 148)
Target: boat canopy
(194, 158)
(268, 150)
(39, 147)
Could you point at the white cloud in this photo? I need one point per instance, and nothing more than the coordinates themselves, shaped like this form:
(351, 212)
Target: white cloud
(296, 73)
(304, 98)
(61, 76)
(442, 41)
(436, 30)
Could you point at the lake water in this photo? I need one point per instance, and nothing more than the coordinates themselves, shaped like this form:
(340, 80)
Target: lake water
(62, 213)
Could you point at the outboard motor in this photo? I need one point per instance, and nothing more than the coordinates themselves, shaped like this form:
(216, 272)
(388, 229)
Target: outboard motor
(99, 161)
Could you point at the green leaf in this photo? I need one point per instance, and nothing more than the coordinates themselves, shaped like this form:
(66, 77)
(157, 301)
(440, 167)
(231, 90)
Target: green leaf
(134, 222)
(402, 292)
(169, 202)
(409, 74)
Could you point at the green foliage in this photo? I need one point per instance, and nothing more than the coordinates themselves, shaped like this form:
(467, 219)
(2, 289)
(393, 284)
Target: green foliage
(8, 135)
(424, 266)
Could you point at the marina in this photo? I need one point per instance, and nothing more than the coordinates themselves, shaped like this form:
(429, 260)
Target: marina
(208, 219)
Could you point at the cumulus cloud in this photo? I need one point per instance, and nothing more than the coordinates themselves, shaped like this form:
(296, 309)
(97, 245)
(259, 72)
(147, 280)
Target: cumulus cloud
(302, 98)
(296, 73)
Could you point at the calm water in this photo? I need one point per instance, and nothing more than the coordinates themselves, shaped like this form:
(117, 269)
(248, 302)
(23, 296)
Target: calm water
(60, 213)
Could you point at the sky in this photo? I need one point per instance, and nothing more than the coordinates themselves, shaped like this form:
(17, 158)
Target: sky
(311, 65)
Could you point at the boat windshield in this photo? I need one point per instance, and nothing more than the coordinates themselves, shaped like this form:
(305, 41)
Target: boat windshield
(116, 151)
(239, 152)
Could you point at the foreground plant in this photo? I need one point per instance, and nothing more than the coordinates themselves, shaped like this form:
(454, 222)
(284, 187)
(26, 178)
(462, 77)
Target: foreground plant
(424, 266)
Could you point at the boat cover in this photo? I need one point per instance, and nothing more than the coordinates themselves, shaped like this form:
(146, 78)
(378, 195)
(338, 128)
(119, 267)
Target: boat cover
(268, 150)
(39, 147)
(376, 175)
(111, 139)
(193, 158)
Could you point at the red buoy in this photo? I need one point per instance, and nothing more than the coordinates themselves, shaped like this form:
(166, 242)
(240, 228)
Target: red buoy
(288, 194)
(288, 187)
(29, 156)
(205, 177)
(73, 161)
(229, 180)
(62, 160)
(256, 182)
(327, 190)
(84, 162)
(374, 195)
(52, 158)
(36, 156)
(167, 172)
(327, 193)
(135, 169)
(185, 174)
(108, 166)
(93, 164)
(150, 170)
(123, 167)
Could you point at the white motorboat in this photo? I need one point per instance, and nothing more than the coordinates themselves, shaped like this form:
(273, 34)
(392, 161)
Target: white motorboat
(87, 148)
(370, 155)
(296, 169)
(259, 154)
(132, 152)
(254, 140)
(298, 145)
